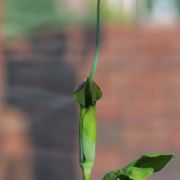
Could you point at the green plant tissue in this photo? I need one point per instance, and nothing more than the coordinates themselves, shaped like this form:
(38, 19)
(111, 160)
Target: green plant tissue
(141, 168)
(87, 95)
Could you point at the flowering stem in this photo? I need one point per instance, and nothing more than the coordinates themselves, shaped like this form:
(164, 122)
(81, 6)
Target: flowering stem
(96, 55)
(86, 172)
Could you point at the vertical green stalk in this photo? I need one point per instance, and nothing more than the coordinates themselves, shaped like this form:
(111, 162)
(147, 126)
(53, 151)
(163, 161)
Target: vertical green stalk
(96, 55)
(87, 139)
(87, 95)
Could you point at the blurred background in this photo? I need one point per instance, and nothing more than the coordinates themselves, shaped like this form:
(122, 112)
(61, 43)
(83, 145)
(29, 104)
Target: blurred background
(46, 49)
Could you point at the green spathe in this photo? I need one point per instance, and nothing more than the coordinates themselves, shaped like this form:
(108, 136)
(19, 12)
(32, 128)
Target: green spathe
(141, 168)
(87, 131)
(87, 95)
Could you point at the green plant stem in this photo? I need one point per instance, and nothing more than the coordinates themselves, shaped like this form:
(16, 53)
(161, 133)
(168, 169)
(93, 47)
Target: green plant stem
(96, 55)
(86, 172)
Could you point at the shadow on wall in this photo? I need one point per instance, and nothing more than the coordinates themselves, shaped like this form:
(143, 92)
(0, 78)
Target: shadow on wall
(40, 82)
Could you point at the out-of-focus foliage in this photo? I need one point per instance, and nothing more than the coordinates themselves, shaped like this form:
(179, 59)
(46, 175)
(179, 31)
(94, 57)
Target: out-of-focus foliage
(108, 13)
(25, 15)
(149, 4)
(178, 6)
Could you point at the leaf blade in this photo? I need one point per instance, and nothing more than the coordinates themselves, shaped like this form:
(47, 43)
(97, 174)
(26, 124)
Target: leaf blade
(141, 168)
(155, 161)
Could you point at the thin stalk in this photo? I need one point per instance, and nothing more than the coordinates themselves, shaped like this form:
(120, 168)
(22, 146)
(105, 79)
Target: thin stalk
(96, 55)
(86, 172)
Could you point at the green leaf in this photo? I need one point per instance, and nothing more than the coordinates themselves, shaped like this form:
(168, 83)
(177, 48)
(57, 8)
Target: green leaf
(112, 175)
(136, 173)
(87, 95)
(155, 161)
(131, 173)
(141, 168)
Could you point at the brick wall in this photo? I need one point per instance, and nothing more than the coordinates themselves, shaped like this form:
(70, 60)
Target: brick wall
(139, 73)
(40, 83)
(139, 112)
